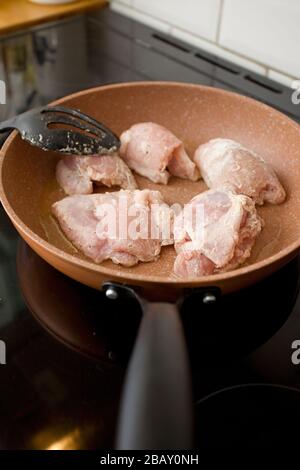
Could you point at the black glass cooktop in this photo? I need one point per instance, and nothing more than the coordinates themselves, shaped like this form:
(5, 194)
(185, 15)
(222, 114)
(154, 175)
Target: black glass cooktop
(67, 346)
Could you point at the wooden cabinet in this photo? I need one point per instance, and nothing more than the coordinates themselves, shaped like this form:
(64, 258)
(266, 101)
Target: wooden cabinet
(20, 14)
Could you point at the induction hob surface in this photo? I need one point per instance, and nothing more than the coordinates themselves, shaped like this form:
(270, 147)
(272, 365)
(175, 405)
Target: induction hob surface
(67, 346)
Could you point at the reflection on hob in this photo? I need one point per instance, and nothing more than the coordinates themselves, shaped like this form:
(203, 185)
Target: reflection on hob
(240, 322)
(50, 396)
(81, 317)
(51, 399)
(231, 346)
(86, 320)
(250, 416)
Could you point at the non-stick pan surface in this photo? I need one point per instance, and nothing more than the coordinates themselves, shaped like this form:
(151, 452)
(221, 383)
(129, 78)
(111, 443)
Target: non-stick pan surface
(195, 114)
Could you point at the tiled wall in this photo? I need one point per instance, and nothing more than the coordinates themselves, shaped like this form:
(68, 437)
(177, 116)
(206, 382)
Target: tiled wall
(262, 35)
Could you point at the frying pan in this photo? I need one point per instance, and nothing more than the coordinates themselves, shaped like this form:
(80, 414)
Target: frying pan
(156, 404)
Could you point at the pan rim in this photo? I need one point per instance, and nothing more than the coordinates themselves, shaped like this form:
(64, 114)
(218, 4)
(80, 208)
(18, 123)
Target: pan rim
(137, 278)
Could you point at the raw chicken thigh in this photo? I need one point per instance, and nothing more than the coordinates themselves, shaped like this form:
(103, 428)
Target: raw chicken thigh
(77, 174)
(124, 226)
(225, 163)
(149, 149)
(217, 238)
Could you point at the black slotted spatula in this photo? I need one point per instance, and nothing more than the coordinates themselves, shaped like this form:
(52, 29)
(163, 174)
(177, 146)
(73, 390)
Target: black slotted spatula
(86, 136)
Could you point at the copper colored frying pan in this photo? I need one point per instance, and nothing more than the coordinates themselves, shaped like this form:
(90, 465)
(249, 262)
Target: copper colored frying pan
(195, 114)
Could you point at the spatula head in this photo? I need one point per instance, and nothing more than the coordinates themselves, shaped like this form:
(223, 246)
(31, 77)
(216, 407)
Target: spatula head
(64, 130)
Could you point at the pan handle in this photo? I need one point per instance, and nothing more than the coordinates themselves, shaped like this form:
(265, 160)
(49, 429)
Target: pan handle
(156, 407)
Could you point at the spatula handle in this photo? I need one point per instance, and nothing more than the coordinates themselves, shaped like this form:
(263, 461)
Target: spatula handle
(156, 408)
(3, 136)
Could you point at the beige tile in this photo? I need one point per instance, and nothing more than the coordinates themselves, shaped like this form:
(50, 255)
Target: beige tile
(143, 18)
(218, 51)
(196, 16)
(266, 31)
(126, 2)
(286, 80)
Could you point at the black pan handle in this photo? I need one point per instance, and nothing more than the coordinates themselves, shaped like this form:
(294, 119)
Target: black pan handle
(156, 407)
(3, 136)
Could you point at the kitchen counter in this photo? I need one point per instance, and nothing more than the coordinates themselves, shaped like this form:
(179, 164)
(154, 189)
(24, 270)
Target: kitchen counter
(19, 14)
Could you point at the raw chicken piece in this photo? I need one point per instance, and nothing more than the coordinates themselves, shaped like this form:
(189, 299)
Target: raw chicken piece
(217, 238)
(105, 226)
(226, 163)
(149, 149)
(76, 174)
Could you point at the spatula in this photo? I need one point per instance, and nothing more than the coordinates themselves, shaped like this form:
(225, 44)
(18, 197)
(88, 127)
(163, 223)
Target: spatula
(87, 138)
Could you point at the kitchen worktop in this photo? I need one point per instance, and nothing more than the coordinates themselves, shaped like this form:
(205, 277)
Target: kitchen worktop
(19, 14)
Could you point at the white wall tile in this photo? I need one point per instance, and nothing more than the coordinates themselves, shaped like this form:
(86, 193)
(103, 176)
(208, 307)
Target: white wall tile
(264, 30)
(126, 2)
(286, 80)
(143, 18)
(218, 51)
(256, 34)
(196, 16)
